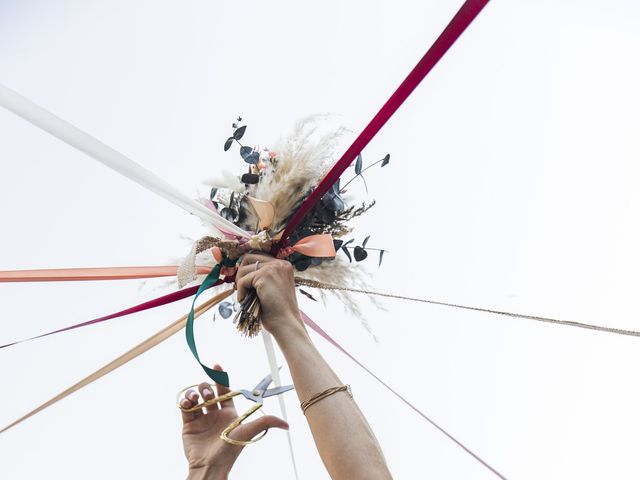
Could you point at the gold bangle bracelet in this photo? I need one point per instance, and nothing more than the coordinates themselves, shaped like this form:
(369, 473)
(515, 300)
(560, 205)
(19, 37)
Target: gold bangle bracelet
(319, 396)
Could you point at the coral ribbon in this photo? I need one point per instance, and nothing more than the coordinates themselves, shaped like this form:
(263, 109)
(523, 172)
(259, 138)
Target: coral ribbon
(449, 35)
(312, 246)
(99, 273)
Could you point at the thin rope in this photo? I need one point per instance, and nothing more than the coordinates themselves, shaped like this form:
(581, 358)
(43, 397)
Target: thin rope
(568, 323)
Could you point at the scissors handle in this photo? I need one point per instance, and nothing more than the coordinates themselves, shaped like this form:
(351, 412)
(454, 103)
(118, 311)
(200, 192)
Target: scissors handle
(236, 423)
(201, 405)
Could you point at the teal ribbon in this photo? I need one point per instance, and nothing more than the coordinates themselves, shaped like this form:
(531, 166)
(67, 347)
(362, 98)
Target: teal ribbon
(213, 278)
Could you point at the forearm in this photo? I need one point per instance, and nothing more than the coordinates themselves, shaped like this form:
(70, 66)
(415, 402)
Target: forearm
(207, 473)
(345, 442)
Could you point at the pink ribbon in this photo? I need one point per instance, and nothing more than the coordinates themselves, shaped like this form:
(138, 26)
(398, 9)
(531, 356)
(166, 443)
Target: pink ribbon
(316, 328)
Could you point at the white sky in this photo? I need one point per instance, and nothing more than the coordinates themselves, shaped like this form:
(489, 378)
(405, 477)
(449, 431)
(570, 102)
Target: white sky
(513, 185)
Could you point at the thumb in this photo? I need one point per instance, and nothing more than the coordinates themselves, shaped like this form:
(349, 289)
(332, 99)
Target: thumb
(254, 428)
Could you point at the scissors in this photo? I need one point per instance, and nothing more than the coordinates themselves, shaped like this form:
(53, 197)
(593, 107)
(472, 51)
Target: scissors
(257, 395)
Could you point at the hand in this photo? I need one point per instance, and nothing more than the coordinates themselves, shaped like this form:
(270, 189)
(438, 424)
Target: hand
(209, 456)
(273, 281)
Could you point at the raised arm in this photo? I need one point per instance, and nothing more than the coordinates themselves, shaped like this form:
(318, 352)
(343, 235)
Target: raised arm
(342, 435)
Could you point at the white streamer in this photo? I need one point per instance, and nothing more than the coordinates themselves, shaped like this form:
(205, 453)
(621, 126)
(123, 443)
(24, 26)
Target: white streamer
(63, 130)
(275, 374)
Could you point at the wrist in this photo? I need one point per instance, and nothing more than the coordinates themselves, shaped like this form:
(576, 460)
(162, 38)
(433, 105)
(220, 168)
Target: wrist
(289, 330)
(207, 472)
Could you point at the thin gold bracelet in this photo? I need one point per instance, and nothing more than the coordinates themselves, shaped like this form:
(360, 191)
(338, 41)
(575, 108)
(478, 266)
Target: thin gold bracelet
(319, 396)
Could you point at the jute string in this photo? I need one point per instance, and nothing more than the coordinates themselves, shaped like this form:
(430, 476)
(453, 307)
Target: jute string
(568, 323)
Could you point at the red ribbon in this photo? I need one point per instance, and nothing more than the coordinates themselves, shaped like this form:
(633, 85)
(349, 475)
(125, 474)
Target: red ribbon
(156, 302)
(449, 35)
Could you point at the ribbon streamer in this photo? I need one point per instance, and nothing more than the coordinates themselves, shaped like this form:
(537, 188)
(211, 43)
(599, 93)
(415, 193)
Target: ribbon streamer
(277, 382)
(211, 280)
(136, 351)
(316, 328)
(63, 130)
(98, 273)
(469, 10)
(156, 302)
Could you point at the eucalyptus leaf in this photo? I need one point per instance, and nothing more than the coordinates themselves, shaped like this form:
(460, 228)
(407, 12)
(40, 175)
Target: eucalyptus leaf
(224, 310)
(307, 294)
(359, 253)
(346, 252)
(336, 187)
(385, 160)
(380, 259)
(250, 178)
(348, 242)
(302, 264)
(228, 143)
(212, 195)
(234, 125)
(239, 119)
(238, 134)
(333, 201)
(245, 152)
(364, 243)
(324, 214)
(253, 159)
(359, 164)
(337, 244)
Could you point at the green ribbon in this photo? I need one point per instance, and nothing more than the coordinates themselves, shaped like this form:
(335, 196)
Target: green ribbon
(212, 279)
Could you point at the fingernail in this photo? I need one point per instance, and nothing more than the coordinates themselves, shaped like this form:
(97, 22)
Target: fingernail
(184, 403)
(206, 392)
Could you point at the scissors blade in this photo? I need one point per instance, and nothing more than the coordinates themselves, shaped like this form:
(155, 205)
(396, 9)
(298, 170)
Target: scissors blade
(277, 390)
(265, 382)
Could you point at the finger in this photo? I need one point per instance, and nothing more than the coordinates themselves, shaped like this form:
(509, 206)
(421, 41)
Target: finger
(252, 262)
(252, 257)
(222, 390)
(206, 391)
(244, 284)
(190, 400)
(252, 429)
(245, 269)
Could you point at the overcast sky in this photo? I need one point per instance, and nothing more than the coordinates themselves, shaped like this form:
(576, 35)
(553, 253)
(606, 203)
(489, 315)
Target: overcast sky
(513, 184)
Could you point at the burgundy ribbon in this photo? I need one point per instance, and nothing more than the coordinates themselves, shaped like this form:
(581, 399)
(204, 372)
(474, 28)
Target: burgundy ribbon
(449, 35)
(156, 302)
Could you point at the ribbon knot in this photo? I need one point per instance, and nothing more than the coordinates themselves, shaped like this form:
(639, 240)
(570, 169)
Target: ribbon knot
(320, 245)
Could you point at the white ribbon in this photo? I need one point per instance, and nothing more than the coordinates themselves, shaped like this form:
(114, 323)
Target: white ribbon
(63, 130)
(275, 375)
